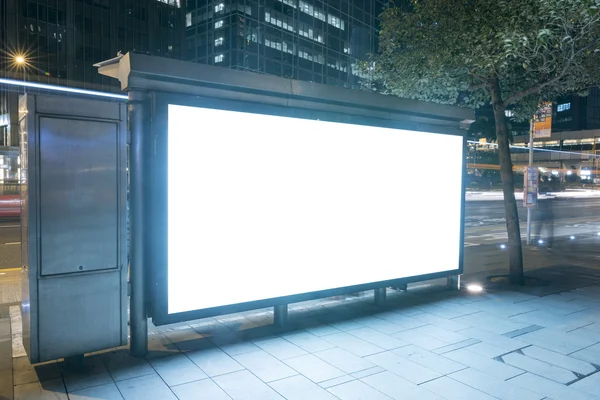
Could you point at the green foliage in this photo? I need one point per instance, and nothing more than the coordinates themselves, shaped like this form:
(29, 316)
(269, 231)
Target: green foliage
(453, 51)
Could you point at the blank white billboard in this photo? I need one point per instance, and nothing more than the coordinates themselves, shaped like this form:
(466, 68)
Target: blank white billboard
(262, 206)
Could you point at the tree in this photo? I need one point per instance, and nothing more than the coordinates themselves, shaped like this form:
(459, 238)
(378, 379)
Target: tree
(503, 53)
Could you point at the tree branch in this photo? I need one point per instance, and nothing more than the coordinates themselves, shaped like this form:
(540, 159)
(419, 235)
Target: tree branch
(481, 85)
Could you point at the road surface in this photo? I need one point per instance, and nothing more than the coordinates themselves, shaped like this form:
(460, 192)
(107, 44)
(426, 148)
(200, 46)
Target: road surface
(484, 224)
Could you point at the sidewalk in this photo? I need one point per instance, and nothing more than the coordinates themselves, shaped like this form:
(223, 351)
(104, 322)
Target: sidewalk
(534, 342)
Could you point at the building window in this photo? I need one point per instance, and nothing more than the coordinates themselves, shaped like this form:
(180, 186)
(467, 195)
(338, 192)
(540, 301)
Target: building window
(219, 7)
(563, 107)
(291, 3)
(219, 24)
(509, 113)
(335, 21)
(219, 41)
(188, 19)
(219, 58)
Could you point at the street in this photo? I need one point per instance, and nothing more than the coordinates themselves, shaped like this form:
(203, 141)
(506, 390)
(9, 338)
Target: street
(484, 224)
(484, 220)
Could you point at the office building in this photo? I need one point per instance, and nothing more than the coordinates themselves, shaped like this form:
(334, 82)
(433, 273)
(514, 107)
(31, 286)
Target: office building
(60, 40)
(308, 40)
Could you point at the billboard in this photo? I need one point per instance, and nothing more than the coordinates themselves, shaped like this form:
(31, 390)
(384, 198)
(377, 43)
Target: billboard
(266, 207)
(542, 122)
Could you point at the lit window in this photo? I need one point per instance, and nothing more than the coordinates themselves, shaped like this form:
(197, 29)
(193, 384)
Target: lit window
(563, 107)
(219, 58)
(219, 41)
(219, 7)
(509, 113)
(188, 19)
(219, 24)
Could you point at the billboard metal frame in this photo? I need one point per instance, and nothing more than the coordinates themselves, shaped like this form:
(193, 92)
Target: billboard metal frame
(159, 259)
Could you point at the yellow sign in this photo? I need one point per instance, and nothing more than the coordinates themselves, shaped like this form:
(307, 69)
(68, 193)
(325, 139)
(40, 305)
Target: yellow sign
(542, 122)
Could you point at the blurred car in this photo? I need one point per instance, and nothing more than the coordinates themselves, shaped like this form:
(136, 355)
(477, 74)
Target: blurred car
(10, 206)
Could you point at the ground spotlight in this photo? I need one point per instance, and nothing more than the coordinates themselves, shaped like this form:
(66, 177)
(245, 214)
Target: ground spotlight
(540, 241)
(503, 246)
(474, 288)
(572, 237)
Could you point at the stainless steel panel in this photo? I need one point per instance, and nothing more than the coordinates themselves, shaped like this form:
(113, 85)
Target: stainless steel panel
(79, 195)
(79, 314)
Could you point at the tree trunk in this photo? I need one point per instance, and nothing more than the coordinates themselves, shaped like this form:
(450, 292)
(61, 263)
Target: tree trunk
(515, 251)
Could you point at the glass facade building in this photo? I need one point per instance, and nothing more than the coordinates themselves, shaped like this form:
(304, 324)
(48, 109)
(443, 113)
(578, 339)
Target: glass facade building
(62, 39)
(309, 40)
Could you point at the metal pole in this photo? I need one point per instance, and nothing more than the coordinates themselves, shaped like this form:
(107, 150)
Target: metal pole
(137, 316)
(525, 194)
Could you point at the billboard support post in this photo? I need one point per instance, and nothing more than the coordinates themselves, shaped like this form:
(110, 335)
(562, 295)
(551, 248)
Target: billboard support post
(453, 282)
(138, 317)
(280, 315)
(380, 296)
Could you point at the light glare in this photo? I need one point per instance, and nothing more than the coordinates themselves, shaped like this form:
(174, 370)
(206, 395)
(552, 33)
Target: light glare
(474, 288)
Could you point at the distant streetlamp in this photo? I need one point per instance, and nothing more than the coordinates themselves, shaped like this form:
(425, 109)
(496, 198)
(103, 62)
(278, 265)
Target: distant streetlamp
(19, 60)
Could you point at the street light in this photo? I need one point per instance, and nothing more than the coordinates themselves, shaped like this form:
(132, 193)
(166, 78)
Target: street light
(19, 59)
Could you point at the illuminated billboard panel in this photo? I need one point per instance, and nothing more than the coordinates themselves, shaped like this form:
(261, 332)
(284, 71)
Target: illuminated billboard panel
(263, 206)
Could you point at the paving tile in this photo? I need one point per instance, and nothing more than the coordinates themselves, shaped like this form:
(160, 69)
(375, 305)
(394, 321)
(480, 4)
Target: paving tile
(322, 330)
(430, 360)
(444, 312)
(549, 319)
(442, 334)
(368, 372)
(357, 390)
(280, 348)
(93, 373)
(549, 388)
(214, 361)
(145, 387)
(382, 340)
(346, 325)
(121, 365)
(104, 392)
(308, 342)
(205, 389)
(265, 366)
(300, 388)
(494, 339)
(540, 368)
(48, 390)
(566, 362)
(160, 346)
(523, 331)
(419, 339)
(402, 367)
(493, 386)
(454, 390)
(590, 384)
(402, 320)
(484, 364)
(177, 369)
(380, 325)
(487, 350)
(505, 308)
(353, 344)
(398, 388)
(236, 349)
(441, 322)
(242, 385)
(590, 354)
(560, 342)
(336, 381)
(24, 372)
(344, 360)
(456, 346)
(314, 368)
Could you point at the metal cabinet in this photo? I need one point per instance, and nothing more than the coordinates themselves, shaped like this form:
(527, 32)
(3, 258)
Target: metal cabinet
(74, 225)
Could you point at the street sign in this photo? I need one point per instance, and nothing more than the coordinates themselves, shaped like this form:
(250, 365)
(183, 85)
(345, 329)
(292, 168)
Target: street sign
(542, 122)
(530, 189)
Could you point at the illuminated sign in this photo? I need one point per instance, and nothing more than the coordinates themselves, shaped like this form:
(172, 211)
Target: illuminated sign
(264, 207)
(542, 122)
